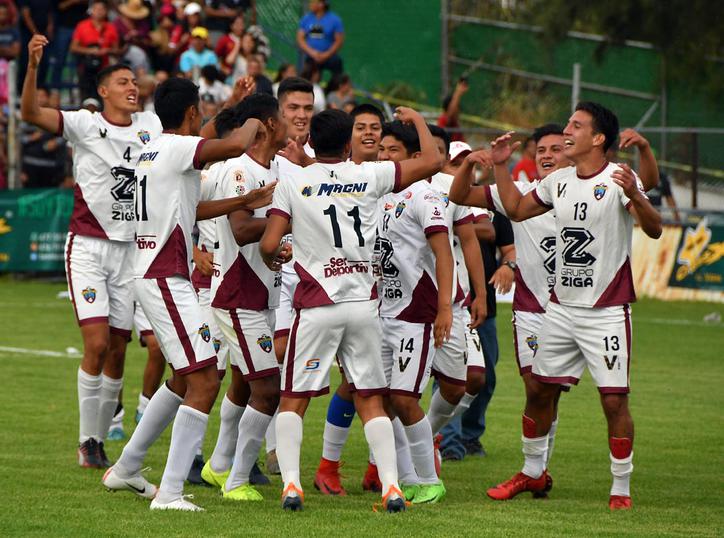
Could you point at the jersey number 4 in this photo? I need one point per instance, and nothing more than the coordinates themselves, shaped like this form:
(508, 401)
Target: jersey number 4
(331, 211)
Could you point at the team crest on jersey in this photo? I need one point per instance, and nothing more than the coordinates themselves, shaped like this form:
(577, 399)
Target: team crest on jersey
(239, 176)
(532, 342)
(144, 136)
(446, 199)
(307, 191)
(239, 189)
(388, 206)
(89, 294)
(400, 208)
(599, 191)
(265, 343)
(205, 333)
(217, 345)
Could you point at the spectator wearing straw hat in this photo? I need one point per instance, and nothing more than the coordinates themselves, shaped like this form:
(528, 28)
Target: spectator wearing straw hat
(198, 55)
(134, 29)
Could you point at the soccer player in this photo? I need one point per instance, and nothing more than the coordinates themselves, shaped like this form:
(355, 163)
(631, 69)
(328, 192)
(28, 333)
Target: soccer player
(587, 321)
(332, 205)
(245, 293)
(167, 195)
(98, 248)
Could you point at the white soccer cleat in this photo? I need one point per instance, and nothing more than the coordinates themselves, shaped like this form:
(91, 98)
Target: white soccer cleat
(177, 504)
(136, 483)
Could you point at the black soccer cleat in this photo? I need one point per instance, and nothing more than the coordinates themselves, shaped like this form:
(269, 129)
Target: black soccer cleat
(105, 462)
(394, 506)
(257, 477)
(88, 454)
(293, 503)
(194, 476)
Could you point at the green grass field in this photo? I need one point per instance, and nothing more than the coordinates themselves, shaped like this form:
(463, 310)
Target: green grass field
(677, 486)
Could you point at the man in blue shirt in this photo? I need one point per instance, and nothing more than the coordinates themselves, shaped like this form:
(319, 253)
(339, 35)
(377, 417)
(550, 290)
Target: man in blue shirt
(320, 36)
(197, 55)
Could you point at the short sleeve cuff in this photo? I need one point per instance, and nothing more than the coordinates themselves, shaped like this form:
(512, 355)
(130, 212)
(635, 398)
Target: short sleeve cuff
(467, 219)
(539, 201)
(198, 165)
(61, 124)
(435, 229)
(489, 203)
(279, 212)
(398, 177)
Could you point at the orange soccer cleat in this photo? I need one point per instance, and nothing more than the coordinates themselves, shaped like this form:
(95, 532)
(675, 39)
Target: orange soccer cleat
(371, 480)
(619, 502)
(328, 480)
(518, 484)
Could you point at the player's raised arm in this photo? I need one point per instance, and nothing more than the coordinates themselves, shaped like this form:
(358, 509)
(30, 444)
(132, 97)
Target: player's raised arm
(440, 245)
(518, 207)
(462, 191)
(44, 117)
(474, 262)
(645, 214)
(209, 209)
(648, 169)
(233, 145)
(429, 162)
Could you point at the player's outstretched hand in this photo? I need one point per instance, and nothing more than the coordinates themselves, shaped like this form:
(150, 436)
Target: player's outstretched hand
(629, 137)
(442, 326)
(501, 148)
(294, 152)
(625, 178)
(483, 157)
(260, 197)
(35, 49)
(406, 115)
(478, 312)
(204, 261)
(502, 279)
(243, 88)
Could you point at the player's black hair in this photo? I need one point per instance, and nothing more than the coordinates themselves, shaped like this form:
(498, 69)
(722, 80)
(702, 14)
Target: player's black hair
(260, 106)
(604, 121)
(226, 121)
(294, 84)
(106, 72)
(330, 131)
(404, 133)
(442, 134)
(545, 130)
(367, 108)
(171, 100)
(210, 73)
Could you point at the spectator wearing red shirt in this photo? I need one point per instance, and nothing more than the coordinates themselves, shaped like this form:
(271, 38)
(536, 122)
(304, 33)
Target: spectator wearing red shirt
(229, 45)
(449, 119)
(525, 169)
(94, 40)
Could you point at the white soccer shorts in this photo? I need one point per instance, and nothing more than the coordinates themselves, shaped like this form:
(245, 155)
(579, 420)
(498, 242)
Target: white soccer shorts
(222, 349)
(449, 362)
(285, 310)
(141, 324)
(178, 322)
(526, 336)
(100, 281)
(573, 338)
(349, 331)
(475, 357)
(407, 352)
(250, 337)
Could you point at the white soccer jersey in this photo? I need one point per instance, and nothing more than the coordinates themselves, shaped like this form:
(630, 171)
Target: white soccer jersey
(535, 247)
(334, 210)
(168, 188)
(593, 237)
(409, 286)
(244, 281)
(207, 227)
(104, 159)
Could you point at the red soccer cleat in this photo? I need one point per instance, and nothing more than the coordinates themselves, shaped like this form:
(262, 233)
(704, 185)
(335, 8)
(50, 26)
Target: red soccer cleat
(328, 480)
(371, 480)
(438, 457)
(518, 484)
(619, 502)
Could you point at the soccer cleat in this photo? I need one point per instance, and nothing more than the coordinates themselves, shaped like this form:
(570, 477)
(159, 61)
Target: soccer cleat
(438, 457)
(371, 480)
(327, 479)
(257, 478)
(139, 416)
(272, 463)
(518, 484)
(213, 478)
(115, 432)
(473, 447)
(88, 455)
(450, 454)
(105, 462)
(620, 502)
(430, 493)
(194, 477)
(393, 501)
(293, 498)
(410, 490)
(549, 486)
(136, 483)
(245, 492)
(177, 504)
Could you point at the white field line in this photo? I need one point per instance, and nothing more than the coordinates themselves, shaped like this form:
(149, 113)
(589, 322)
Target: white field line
(669, 321)
(36, 352)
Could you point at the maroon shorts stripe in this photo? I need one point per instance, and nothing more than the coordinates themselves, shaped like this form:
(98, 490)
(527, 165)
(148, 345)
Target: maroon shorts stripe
(453, 381)
(613, 390)
(400, 392)
(125, 333)
(627, 321)
(177, 323)
(291, 350)
(91, 321)
(366, 393)
(146, 332)
(281, 333)
(197, 366)
(68, 273)
(242, 342)
(269, 372)
(555, 380)
(515, 346)
(423, 356)
(476, 369)
(305, 394)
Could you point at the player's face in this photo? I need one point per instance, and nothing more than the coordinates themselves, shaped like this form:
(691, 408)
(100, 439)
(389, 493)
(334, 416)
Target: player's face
(442, 150)
(278, 129)
(392, 149)
(297, 109)
(549, 155)
(579, 136)
(366, 136)
(120, 90)
(196, 117)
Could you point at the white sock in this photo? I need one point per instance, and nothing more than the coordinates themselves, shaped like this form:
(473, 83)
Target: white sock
(89, 394)
(159, 413)
(230, 415)
(405, 469)
(464, 404)
(621, 471)
(381, 438)
(270, 438)
(534, 449)
(335, 438)
(142, 403)
(252, 426)
(419, 436)
(110, 389)
(440, 412)
(371, 457)
(551, 441)
(188, 433)
(289, 445)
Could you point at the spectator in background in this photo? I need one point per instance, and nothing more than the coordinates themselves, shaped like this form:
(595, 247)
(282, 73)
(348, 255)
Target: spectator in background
(36, 17)
(229, 45)
(525, 169)
(284, 71)
(663, 191)
(190, 18)
(312, 73)
(450, 117)
(69, 14)
(91, 104)
(198, 55)
(94, 40)
(164, 50)
(210, 84)
(134, 32)
(320, 36)
(255, 69)
(221, 13)
(340, 92)
(9, 48)
(146, 88)
(208, 106)
(44, 154)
